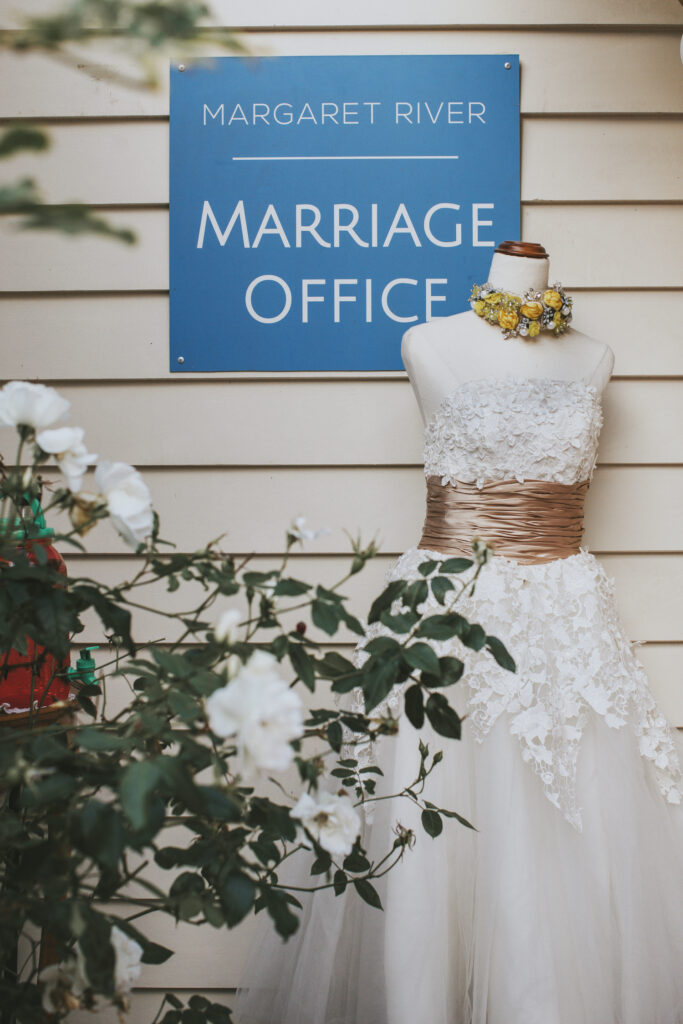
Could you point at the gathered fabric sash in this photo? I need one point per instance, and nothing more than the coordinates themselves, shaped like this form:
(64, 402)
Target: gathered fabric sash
(533, 521)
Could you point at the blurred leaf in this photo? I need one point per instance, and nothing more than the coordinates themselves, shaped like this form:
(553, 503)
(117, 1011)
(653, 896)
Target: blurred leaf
(18, 137)
(135, 790)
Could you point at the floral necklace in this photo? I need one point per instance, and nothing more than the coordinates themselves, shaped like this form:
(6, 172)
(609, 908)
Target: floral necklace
(527, 316)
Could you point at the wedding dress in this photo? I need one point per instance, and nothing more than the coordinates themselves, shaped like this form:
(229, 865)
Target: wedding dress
(565, 905)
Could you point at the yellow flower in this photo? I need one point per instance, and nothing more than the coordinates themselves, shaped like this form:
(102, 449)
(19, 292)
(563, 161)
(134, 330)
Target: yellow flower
(508, 319)
(479, 307)
(532, 310)
(494, 299)
(552, 299)
(534, 328)
(557, 320)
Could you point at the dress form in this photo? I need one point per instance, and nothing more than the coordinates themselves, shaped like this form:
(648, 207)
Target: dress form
(447, 351)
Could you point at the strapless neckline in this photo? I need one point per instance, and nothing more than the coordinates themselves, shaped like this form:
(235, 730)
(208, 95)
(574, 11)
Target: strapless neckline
(512, 379)
(514, 427)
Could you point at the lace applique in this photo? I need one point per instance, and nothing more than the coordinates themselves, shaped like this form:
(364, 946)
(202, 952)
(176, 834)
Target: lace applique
(559, 621)
(505, 428)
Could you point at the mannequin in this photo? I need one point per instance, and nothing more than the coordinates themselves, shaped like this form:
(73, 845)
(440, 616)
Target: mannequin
(443, 353)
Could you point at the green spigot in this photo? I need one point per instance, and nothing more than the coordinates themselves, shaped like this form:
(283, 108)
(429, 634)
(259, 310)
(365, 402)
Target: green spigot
(85, 667)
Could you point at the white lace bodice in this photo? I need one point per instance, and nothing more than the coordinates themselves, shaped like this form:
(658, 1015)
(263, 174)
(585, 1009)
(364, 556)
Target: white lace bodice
(515, 428)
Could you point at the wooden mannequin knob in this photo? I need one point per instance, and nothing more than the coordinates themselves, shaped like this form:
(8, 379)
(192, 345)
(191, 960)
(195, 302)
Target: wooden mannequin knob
(530, 249)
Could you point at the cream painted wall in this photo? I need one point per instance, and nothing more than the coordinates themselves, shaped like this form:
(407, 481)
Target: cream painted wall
(602, 152)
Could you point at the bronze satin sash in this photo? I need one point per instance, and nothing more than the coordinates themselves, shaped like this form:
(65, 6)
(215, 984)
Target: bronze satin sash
(533, 521)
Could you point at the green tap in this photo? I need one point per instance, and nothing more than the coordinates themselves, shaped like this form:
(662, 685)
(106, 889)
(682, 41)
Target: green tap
(85, 667)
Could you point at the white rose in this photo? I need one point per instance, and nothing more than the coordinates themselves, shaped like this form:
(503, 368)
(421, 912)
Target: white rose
(128, 500)
(224, 630)
(67, 444)
(63, 985)
(331, 819)
(259, 709)
(128, 952)
(31, 405)
(298, 530)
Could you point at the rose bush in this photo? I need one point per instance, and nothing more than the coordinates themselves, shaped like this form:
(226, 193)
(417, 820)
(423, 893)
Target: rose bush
(158, 804)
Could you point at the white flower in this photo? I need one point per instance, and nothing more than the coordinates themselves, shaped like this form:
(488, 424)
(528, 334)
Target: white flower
(63, 985)
(128, 500)
(331, 819)
(224, 630)
(128, 955)
(67, 444)
(31, 405)
(259, 709)
(298, 530)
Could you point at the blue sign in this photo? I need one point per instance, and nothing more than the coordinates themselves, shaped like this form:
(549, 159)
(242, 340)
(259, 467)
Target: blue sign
(322, 205)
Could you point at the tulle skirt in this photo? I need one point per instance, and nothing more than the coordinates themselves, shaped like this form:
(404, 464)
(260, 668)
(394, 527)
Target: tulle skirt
(527, 920)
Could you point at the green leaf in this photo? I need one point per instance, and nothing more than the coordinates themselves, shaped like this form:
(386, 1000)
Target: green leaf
(440, 587)
(422, 657)
(334, 736)
(458, 817)
(340, 881)
(414, 706)
(325, 616)
(21, 137)
(100, 739)
(237, 894)
(112, 616)
(368, 892)
(184, 706)
(386, 599)
(277, 903)
(138, 782)
(303, 665)
(50, 790)
(335, 664)
(290, 588)
(401, 623)
(95, 944)
(425, 568)
(454, 565)
(474, 637)
(442, 717)
(432, 823)
(500, 653)
(416, 593)
(101, 833)
(442, 627)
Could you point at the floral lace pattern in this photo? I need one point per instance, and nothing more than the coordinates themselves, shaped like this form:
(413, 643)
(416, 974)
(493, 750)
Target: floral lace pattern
(558, 619)
(505, 428)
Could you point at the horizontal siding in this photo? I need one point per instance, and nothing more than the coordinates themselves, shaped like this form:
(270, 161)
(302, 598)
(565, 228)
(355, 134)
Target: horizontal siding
(252, 507)
(648, 592)
(305, 13)
(125, 337)
(91, 161)
(592, 246)
(325, 422)
(563, 72)
(662, 661)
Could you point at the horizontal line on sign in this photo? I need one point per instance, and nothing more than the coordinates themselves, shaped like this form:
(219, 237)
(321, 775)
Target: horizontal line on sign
(345, 158)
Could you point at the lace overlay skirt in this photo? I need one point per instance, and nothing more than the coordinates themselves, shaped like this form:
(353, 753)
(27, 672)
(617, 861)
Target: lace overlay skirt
(565, 905)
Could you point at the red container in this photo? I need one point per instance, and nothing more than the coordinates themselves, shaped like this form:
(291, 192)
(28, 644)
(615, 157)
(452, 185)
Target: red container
(36, 668)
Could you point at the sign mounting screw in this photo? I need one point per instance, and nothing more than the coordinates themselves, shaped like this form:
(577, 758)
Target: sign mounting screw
(181, 359)
(508, 65)
(181, 67)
